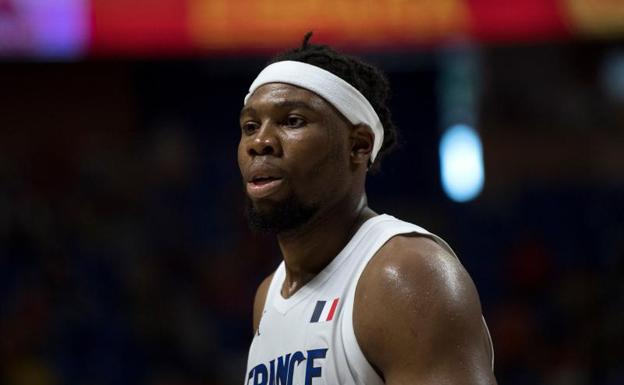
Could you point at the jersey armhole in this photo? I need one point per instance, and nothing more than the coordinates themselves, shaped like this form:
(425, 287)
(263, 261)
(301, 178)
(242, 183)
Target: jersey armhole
(267, 298)
(359, 366)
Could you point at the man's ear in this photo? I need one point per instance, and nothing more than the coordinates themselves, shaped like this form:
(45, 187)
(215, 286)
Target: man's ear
(362, 140)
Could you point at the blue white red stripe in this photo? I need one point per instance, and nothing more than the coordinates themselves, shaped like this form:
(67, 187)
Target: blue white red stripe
(324, 312)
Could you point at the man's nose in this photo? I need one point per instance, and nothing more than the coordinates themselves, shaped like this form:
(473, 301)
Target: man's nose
(265, 142)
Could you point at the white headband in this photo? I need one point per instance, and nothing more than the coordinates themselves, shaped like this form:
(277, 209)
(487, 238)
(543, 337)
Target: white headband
(342, 95)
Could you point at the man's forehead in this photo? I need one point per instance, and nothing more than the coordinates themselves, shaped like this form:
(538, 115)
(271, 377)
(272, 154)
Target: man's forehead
(283, 94)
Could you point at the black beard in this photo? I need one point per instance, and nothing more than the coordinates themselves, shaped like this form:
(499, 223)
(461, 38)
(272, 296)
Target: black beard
(281, 217)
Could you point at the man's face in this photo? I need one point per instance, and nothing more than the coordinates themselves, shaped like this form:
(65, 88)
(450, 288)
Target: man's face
(293, 155)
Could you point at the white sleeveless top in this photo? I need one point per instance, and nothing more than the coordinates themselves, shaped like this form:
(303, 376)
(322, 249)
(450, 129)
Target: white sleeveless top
(308, 338)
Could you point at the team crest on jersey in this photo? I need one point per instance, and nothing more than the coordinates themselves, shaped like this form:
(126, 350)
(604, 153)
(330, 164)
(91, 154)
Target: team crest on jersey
(324, 311)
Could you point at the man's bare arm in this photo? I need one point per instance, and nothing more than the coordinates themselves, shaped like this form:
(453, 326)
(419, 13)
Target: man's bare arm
(417, 317)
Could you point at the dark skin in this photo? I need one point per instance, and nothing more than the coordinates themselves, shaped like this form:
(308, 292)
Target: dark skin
(430, 330)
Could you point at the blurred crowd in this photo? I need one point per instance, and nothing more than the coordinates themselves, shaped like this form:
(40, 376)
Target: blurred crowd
(125, 258)
(555, 307)
(109, 274)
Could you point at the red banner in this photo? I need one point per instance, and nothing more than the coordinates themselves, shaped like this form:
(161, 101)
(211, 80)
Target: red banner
(140, 27)
(175, 27)
(209, 26)
(517, 20)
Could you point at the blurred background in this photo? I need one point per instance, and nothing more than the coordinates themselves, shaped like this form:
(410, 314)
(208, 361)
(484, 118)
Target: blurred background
(124, 254)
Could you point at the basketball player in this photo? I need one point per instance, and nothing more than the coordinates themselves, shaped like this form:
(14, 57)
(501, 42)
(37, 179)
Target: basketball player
(360, 298)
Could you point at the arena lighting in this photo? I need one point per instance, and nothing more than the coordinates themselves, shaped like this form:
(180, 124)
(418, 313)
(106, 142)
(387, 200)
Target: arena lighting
(461, 163)
(612, 75)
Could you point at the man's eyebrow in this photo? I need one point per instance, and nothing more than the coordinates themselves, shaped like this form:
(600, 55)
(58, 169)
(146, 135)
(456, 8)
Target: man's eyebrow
(247, 110)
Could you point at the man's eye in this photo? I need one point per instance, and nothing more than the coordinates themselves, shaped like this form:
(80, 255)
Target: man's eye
(295, 122)
(249, 127)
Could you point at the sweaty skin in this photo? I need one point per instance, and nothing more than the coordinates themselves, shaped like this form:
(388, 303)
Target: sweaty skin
(427, 326)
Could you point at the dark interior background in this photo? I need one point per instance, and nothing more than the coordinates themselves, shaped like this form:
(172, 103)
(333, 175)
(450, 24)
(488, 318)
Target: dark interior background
(125, 257)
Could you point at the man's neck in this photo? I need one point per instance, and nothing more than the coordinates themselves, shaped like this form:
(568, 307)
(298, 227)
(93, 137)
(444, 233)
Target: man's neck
(309, 249)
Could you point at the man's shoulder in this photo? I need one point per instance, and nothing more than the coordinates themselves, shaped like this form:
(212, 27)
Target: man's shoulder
(416, 262)
(422, 296)
(409, 251)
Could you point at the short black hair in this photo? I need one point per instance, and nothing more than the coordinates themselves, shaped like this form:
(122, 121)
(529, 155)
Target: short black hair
(367, 79)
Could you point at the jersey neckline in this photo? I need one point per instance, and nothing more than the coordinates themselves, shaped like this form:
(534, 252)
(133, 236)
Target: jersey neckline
(283, 305)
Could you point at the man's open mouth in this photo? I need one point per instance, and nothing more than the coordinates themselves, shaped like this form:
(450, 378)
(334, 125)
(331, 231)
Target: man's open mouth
(262, 180)
(263, 186)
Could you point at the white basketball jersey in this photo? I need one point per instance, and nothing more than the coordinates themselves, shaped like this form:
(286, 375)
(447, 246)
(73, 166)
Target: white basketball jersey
(308, 338)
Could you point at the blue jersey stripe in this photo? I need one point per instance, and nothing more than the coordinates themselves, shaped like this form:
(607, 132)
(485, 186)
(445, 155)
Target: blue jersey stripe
(317, 311)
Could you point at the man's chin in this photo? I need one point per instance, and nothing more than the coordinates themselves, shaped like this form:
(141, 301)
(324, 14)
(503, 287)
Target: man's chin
(274, 217)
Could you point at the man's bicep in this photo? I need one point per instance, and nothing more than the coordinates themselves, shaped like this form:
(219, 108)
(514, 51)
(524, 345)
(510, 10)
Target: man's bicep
(427, 325)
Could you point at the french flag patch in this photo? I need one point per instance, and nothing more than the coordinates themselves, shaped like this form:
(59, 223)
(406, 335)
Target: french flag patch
(324, 312)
